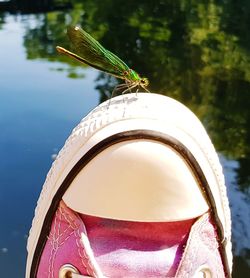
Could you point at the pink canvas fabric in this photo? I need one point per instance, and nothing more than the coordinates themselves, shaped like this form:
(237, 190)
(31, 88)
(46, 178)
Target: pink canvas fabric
(137, 249)
(201, 251)
(64, 245)
(130, 249)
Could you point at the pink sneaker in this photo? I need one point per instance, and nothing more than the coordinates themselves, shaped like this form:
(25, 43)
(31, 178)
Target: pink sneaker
(137, 191)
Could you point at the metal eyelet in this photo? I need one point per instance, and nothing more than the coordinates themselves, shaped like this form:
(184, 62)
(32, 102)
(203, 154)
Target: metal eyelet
(67, 270)
(203, 272)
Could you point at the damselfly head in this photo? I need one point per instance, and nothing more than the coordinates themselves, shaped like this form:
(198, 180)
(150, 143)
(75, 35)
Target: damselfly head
(144, 82)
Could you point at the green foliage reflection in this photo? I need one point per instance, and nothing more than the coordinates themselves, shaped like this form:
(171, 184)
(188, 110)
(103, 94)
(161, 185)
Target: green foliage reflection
(194, 51)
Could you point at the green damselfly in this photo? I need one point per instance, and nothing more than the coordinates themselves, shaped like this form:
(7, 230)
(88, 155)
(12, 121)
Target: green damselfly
(91, 52)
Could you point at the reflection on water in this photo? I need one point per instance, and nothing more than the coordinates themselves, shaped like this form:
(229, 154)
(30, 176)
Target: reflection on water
(197, 53)
(38, 109)
(239, 203)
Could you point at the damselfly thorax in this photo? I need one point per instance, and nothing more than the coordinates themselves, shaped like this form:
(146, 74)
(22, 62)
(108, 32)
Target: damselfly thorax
(132, 80)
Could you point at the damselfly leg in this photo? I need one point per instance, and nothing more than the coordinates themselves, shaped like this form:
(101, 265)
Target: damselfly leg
(117, 89)
(145, 89)
(132, 85)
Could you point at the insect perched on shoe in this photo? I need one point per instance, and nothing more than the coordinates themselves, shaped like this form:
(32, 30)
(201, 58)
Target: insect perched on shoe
(92, 53)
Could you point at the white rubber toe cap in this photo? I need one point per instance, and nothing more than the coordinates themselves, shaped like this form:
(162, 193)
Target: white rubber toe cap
(140, 180)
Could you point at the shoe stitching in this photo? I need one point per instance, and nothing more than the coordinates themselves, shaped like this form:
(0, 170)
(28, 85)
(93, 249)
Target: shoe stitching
(189, 252)
(211, 244)
(55, 238)
(71, 224)
(68, 218)
(53, 249)
(55, 243)
(192, 253)
(81, 248)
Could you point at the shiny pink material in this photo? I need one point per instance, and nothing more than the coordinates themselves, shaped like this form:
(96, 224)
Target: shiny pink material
(137, 249)
(201, 251)
(130, 249)
(64, 245)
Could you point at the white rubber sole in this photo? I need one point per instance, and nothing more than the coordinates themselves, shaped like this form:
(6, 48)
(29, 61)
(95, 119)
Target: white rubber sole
(131, 112)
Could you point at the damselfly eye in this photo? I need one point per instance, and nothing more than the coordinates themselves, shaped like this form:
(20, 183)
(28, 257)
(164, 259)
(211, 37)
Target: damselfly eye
(144, 81)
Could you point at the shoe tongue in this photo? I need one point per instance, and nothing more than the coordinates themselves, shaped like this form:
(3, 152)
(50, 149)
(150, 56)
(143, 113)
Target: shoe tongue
(137, 249)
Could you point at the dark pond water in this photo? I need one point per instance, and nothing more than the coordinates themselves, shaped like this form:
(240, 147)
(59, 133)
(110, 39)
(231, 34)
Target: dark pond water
(195, 51)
